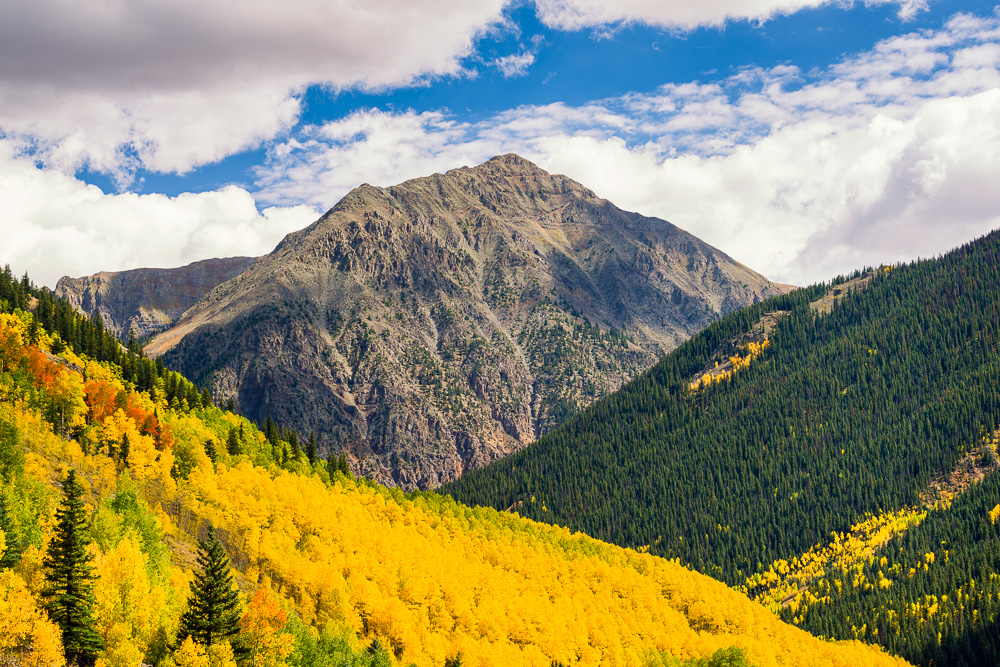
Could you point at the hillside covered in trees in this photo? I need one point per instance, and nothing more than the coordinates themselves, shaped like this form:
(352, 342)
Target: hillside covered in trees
(110, 476)
(866, 390)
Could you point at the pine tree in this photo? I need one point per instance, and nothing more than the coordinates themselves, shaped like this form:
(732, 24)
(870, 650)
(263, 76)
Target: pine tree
(311, 448)
(12, 551)
(213, 613)
(69, 579)
(233, 442)
(123, 450)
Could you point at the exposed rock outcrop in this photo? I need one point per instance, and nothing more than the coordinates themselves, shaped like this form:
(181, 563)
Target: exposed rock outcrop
(434, 326)
(147, 300)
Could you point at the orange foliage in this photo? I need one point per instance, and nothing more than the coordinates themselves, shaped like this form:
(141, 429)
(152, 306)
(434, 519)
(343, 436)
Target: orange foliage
(263, 635)
(42, 370)
(100, 400)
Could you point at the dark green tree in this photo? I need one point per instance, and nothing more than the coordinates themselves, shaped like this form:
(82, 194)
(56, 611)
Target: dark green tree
(312, 447)
(69, 579)
(213, 613)
(233, 443)
(12, 552)
(123, 450)
(210, 451)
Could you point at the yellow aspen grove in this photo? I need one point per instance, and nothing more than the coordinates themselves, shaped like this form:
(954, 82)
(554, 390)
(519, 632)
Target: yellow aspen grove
(27, 636)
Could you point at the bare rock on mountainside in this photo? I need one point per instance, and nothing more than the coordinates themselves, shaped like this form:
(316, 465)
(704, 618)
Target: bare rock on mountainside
(437, 325)
(147, 300)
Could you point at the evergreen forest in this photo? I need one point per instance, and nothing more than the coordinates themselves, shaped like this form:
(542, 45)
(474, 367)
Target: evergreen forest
(867, 390)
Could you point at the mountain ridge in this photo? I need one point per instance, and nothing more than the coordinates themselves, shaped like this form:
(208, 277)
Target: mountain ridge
(432, 326)
(147, 300)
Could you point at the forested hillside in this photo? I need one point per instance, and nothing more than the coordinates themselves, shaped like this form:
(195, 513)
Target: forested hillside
(852, 407)
(109, 485)
(932, 596)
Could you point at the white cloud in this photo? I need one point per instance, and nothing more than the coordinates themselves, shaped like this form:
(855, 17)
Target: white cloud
(324, 163)
(886, 156)
(174, 85)
(55, 225)
(516, 64)
(684, 14)
(169, 86)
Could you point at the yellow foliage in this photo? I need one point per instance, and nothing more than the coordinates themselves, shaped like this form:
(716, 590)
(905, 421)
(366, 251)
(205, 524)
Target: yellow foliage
(29, 568)
(786, 584)
(191, 654)
(130, 608)
(221, 655)
(429, 577)
(12, 333)
(995, 514)
(27, 636)
(737, 362)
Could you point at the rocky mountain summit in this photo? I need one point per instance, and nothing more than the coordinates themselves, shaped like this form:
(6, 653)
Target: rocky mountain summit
(437, 325)
(147, 300)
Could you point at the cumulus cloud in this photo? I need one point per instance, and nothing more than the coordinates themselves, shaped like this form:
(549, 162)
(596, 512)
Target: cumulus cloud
(168, 87)
(171, 86)
(883, 157)
(686, 15)
(56, 225)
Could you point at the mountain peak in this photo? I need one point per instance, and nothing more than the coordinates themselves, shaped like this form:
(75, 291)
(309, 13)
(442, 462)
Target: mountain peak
(432, 326)
(513, 164)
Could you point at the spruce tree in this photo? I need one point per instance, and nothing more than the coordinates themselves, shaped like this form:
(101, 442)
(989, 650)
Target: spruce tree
(233, 442)
(312, 448)
(12, 552)
(69, 579)
(213, 613)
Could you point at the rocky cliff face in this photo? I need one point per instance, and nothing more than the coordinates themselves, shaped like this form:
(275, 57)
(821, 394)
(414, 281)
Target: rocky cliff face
(434, 326)
(147, 300)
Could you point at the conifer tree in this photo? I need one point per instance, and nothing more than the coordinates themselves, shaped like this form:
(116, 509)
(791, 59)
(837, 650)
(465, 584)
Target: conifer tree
(311, 447)
(213, 613)
(69, 579)
(12, 550)
(123, 450)
(233, 442)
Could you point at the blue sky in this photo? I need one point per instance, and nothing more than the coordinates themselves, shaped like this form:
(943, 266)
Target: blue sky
(804, 138)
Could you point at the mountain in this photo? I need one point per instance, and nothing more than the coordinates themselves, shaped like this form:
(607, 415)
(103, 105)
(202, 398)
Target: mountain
(437, 325)
(745, 449)
(146, 301)
(332, 569)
